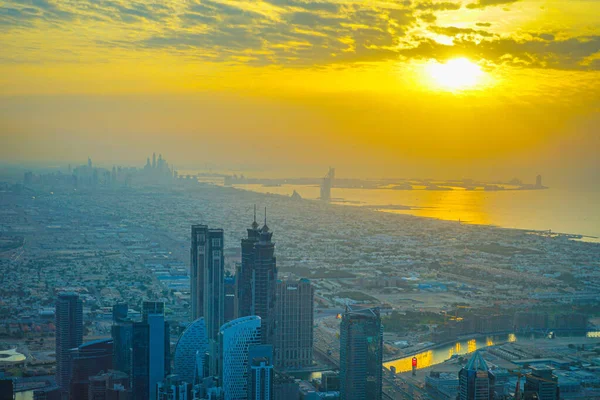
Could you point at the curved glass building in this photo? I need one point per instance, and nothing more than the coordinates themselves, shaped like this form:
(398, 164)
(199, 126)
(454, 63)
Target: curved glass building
(236, 338)
(191, 342)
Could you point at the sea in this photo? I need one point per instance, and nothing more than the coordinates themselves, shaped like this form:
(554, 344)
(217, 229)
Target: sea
(563, 211)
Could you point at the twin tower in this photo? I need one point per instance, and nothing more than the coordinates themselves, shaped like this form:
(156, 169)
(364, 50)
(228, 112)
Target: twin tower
(256, 283)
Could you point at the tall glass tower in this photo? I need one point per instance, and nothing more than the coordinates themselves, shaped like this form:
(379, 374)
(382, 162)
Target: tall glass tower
(153, 315)
(207, 276)
(265, 283)
(293, 342)
(361, 354)
(236, 339)
(244, 273)
(476, 381)
(189, 352)
(197, 265)
(69, 335)
(122, 335)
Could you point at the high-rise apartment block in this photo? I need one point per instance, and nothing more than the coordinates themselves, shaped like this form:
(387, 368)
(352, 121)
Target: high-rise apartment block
(293, 344)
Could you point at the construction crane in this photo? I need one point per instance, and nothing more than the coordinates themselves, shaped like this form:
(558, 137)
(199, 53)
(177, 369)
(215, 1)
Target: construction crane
(519, 373)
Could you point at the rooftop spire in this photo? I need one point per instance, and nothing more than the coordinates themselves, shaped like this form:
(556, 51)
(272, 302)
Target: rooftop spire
(265, 228)
(255, 224)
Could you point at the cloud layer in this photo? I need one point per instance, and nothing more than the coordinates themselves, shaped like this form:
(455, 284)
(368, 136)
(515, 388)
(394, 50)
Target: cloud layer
(281, 32)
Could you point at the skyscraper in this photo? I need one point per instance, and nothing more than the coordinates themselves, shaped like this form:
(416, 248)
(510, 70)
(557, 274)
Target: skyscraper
(88, 360)
(229, 301)
(207, 277)
(189, 352)
(197, 265)
(265, 282)
(361, 355)
(214, 296)
(140, 361)
(260, 361)
(236, 339)
(122, 334)
(293, 342)
(476, 381)
(327, 184)
(153, 315)
(543, 382)
(538, 181)
(244, 274)
(69, 335)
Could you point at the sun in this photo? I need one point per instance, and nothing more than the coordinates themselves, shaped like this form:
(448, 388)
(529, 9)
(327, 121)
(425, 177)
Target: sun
(456, 74)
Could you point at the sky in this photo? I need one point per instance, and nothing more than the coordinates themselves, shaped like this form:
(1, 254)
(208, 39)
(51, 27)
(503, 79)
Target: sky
(485, 89)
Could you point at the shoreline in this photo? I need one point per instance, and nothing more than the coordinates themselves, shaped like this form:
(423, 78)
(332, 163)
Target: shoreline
(576, 237)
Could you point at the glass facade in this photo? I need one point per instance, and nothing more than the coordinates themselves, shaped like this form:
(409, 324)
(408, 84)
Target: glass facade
(189, 352)
(236, 338)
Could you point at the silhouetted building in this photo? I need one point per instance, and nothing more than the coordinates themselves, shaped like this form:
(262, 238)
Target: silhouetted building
(69, 335)
(260, 360)
(236, 339)
(88, 360)
(361, 354)
(293, 344)
(475, 380)
(244, 273)
(140, 361)
(265, 283)
(122, 335)
(189, 352)
(327, 184)
(538, 181)
(541, 382)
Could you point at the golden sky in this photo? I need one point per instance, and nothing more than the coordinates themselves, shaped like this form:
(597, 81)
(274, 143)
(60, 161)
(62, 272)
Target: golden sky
(382, 87)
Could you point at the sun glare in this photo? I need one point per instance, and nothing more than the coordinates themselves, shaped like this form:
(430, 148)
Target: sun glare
(456, 74)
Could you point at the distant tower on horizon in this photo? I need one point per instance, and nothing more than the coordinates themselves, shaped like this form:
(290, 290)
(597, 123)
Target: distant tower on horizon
(153, 160)
(327, 184)
(69, 335)
(361, 355)
(538, 182)
(89, 162)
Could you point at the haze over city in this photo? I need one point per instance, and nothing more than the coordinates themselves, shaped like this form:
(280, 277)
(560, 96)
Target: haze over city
(299, 199)
(454, 89)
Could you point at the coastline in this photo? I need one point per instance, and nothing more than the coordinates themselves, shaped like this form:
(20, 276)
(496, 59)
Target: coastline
(408, 210)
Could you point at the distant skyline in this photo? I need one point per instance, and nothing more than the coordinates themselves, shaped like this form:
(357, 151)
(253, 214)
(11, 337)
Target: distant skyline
(442, 89)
